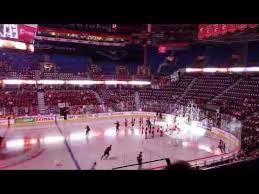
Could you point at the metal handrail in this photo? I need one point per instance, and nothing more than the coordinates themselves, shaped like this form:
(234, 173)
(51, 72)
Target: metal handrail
(166, 159)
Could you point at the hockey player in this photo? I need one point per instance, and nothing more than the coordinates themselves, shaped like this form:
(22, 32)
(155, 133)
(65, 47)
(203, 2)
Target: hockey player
(146, 133)
(167, 126)
(161, 133)
(153, 132)
(140, 122)
(220, 146)
(157, 129)
(148, 123)
(107, 152)
(142, 129)
(1, 140)
(149, 130)
(126, 123)
(224, 147)
(132, 122)
(9, 122)
(117, 126)
(173, 128)
(87, 130)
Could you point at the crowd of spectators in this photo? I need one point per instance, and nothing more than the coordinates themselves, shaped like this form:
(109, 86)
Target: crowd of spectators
(18, 103)
(79, 101)
(118, 99)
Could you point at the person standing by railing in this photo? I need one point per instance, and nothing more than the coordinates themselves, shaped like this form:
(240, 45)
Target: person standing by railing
(94, 166)
(139, 159)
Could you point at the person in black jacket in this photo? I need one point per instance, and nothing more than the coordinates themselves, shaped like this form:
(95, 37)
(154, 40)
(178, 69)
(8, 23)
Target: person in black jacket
(94, 166)
(132, 122)
(107, 152)
(117, 126)
(146, 133)
(87, 130)
(1, 140)
(139, 159)
(126, 123)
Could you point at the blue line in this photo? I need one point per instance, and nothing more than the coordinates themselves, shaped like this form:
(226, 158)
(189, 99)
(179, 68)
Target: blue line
(69, 149)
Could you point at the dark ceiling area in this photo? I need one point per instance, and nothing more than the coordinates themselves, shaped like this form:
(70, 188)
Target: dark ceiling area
(159, 32)
(162, 33)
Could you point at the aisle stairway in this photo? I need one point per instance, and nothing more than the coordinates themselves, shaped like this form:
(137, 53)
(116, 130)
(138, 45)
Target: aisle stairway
(137, 101)
(186, 90)
(41, 103)
(98, 97)
(226, 90)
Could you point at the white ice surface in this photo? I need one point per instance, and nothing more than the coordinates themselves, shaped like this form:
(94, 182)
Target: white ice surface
(125, 145)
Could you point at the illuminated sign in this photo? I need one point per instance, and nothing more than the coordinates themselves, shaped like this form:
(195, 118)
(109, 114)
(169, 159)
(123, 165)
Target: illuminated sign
(20, 32)
(9, 44)
(9, 31)
(223, 70)
(161, 49)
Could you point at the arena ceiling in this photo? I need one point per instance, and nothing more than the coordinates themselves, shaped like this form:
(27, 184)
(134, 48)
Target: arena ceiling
(163, 33)
(159, 32)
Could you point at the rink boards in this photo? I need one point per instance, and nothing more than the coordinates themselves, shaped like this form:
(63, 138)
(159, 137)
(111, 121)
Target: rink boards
(212, 133)
(51, 118)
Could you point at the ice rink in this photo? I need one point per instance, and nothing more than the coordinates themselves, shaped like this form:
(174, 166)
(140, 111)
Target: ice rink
(65, 146)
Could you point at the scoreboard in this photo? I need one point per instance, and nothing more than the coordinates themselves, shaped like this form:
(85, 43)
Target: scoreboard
(17, 36)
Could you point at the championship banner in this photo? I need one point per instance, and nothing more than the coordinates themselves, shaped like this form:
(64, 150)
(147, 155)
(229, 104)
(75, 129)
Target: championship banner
(223, 28)
(201, 31)
(215, 30)
(206, 31)
(209, 31)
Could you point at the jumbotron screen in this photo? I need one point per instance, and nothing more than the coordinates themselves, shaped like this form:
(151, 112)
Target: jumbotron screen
(17, 36)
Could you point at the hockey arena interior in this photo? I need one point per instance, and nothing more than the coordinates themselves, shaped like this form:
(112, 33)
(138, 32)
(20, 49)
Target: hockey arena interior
(128, 97)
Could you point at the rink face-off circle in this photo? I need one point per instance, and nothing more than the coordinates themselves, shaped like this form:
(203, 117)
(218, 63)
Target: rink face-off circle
(64, 145)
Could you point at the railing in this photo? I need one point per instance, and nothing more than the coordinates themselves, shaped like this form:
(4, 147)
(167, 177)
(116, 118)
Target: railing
(142, 166)
(206, 161)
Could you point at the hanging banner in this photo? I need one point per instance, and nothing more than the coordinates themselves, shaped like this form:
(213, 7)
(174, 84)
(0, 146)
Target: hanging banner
(201, 32)
(215, 30)
(206, 31)
(224, 29)
(241, 27)
(231, 28)
(252, 25)
(18, 32)
(209, 31)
